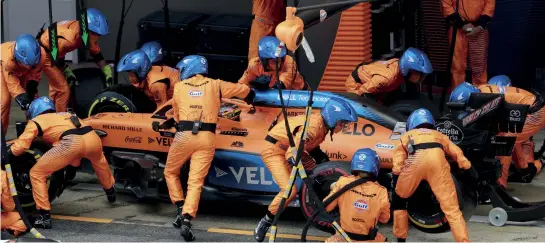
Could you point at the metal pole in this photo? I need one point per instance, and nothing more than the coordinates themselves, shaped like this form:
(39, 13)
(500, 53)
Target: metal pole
(449, 64)
(2, 20)
(331, 4)
(166, 32)
(118, 41)
(50, 12)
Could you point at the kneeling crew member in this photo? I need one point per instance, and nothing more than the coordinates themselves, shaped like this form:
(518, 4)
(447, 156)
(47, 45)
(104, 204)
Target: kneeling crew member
(335, 114)
(196, 103)
(382, 77)
(421, 156)
(72, 139)
(261, 71)
(21, 71)
(362, 206)
(11, 219)
(157, 82)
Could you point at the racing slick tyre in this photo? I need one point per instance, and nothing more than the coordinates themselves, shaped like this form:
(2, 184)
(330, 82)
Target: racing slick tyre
(91, 83)
(21, 166)
(121, 98)
(407, 106)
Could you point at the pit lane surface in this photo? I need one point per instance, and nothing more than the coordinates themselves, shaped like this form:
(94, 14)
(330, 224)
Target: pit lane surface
(82, 213)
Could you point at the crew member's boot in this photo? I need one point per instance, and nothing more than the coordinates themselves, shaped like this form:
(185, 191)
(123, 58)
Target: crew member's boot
(263, 227)
(185, 229)
(8, 235)
(44, 220)
(110, 194)
(178, 220)
(524, 175)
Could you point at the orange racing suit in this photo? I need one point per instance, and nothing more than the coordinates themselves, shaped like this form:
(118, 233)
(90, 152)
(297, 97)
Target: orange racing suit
(159, 84)
(533, 124)
(289, 75)
(69, 39)
(378, 77)
(70, 146)
(10, 219)
(195, 99)
(431, 165)
(14, 78)
(360, 208)
(276, 152)
(267, 14)
(476, 47)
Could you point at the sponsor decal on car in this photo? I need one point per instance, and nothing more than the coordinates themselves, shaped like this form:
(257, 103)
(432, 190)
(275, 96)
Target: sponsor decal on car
(336, 155)
(488, 107)
(454, 133)
(98, 116)
(237, 144)
(252, 176)
(166, 142)
(384, 146)
(150, 140)
(235, 131)
(122, 128)
(361, 205)
(129, 139)
(515, 115)
(366, 130)
(386, 160)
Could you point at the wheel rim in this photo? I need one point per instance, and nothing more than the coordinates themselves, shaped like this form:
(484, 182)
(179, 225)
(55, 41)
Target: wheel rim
(22, 178)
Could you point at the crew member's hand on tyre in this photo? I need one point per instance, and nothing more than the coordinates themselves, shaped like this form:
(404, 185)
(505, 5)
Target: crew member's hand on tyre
(70, 77)
(107, 70)
(155, 126)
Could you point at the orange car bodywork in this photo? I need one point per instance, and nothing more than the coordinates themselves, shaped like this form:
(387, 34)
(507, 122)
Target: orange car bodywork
(134, 131)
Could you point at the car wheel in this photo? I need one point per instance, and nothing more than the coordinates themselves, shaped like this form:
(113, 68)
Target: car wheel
(91, 83)
(21, 166)
(321, 179)
(121, 98)
(407, 106)
(425, 213)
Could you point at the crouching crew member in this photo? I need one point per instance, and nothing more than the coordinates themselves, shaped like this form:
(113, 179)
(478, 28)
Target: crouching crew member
(335, 114)
(381, 77)
(196, 103)
(157, 82)
(69, 36)
(363, 206)
(421, 156)
(11, 219)
(21, 67)
(72, 139)
(261, 71)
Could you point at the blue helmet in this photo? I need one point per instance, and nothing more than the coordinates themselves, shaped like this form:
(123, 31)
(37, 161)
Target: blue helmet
(39, 106)
(365, 160)
(420, 117)
(27, 50)
(500, 80)
(154, 51)
(462, 92)
(135, 61)
(414, 59)
(192, 65)
(267, 47)
(336, 110)
(97, 22)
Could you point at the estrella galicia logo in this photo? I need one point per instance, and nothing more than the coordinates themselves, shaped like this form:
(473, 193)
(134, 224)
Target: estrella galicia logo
(454, 133)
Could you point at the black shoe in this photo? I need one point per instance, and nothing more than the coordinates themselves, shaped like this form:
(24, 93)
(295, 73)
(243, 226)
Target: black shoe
(178, 221)
(185, 230)
(261, 229)
(43, 221)
(401, 240)
(8, 235)
(110, 194)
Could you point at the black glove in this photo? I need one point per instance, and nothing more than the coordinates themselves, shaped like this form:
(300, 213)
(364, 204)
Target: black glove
(279, 85)
(455, 20)
(472, 176)
(483, 21)
(155, 126)
(319, 155)
(262, 82)
(250, 97)
(32, 88)
(23, 100)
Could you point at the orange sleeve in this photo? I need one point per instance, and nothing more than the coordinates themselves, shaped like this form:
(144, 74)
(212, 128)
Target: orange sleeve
(447, 7)
(335, 202)
(374, 85)
(250, 74)
(7, 200)
(159, 92)
(400, 155)
(455, 152)
(385, 209)
(12, 82)
(352, 86)
(311, 142)
(489, 7)
(24, 141)
(94, 48)
(229, 90)
(175, 97)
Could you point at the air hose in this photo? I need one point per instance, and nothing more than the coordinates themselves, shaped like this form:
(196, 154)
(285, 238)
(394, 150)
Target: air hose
(329, 201)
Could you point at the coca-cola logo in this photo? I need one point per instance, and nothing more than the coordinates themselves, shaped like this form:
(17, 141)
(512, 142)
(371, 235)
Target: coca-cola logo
(133, 139)
(454, 133)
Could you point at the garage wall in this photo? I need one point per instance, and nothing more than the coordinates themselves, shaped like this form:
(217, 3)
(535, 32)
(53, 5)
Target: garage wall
(141, 8)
